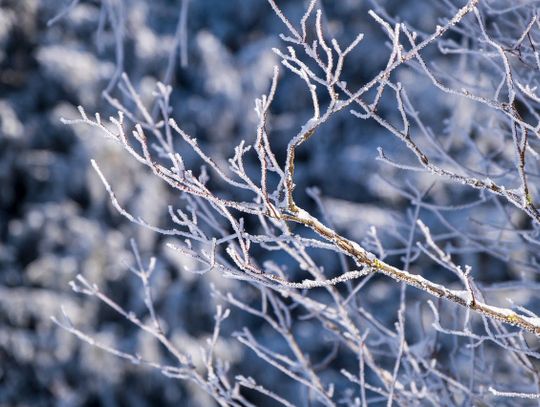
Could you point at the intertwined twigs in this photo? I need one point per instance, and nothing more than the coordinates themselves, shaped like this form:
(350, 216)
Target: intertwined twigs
(332, 78)
(214, 231)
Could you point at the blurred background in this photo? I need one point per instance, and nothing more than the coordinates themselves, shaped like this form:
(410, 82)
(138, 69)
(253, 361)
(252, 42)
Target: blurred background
(56, 220)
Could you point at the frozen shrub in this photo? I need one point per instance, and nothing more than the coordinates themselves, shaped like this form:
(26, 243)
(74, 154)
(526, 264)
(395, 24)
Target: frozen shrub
(368, 236)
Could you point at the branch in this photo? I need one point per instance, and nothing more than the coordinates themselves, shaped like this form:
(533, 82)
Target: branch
(364, 258)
